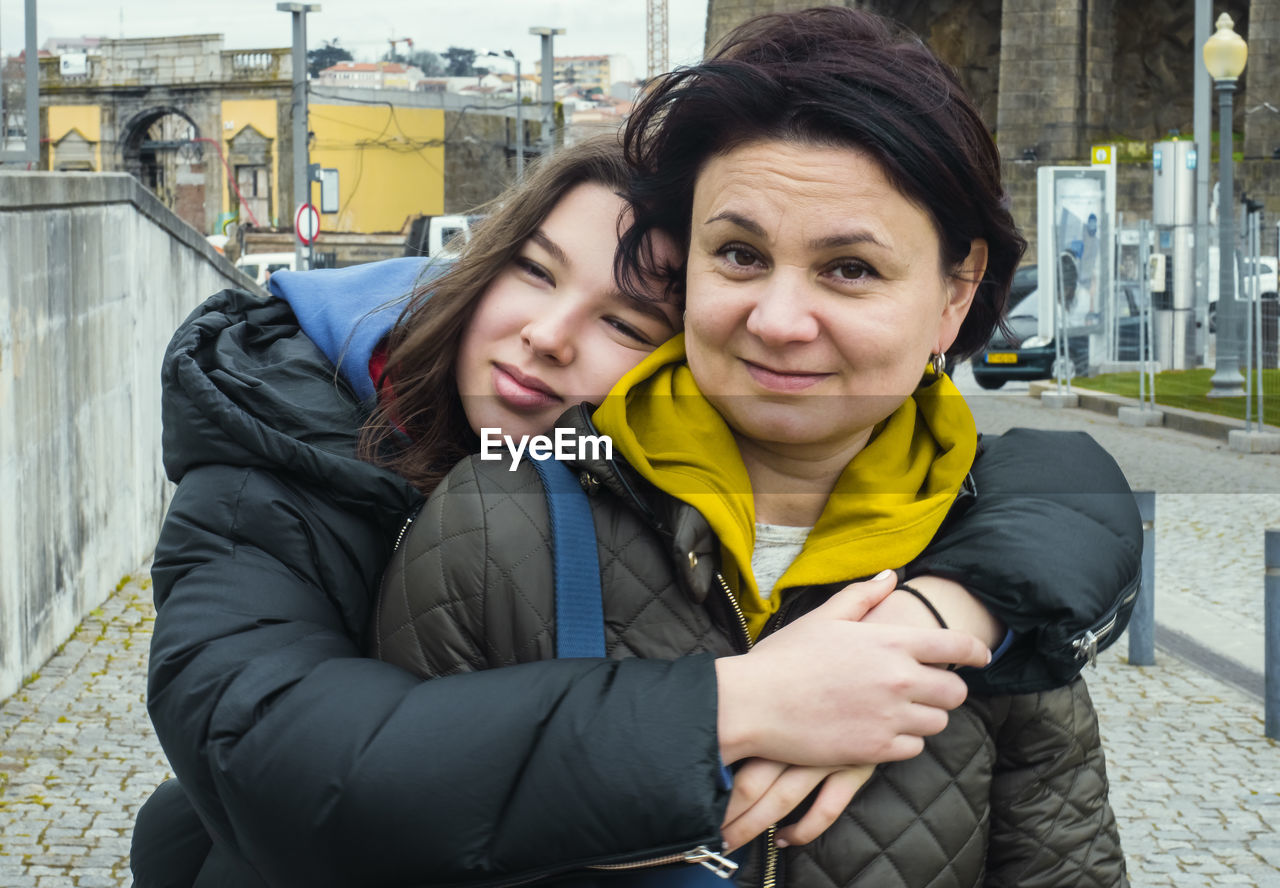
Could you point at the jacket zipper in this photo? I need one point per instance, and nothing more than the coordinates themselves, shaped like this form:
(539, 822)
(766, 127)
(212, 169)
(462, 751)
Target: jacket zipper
(404, 528)
(1086, 645)
(770, 879)
(770, 876)
(719, 864)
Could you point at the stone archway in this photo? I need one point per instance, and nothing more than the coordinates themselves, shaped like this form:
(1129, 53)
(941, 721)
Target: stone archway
(160, 149)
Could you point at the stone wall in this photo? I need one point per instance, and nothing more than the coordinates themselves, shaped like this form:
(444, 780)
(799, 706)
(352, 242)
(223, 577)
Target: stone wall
(95, 274)
(479, 158)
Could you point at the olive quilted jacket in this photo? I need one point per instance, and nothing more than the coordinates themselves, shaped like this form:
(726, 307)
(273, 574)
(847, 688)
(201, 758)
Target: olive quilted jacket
(1013, 792)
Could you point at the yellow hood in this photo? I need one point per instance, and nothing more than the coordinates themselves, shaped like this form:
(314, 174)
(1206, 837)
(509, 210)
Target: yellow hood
(887, 504)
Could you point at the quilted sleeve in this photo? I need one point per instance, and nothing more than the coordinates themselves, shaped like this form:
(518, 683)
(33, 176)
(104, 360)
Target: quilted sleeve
(1051, 823)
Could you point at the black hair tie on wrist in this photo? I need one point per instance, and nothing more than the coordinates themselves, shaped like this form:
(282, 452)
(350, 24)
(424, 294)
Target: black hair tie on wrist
(925, 601)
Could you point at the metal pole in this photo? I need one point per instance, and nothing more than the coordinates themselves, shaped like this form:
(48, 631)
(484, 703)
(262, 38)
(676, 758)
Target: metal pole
(519, 125)
(301, 148)
(1142, 623)
(1226, 381)
(1249, 280)
(548, 94)
(1202, 117)
(32, 69)
(548, 86)
(1271, 610)
(1144, 297)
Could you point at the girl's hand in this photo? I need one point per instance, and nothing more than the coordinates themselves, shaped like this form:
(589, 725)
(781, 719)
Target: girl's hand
(765, 792)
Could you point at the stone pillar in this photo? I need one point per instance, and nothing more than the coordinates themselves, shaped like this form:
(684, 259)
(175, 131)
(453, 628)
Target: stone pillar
(1261, 82)
(1044, 83)
(725, 15)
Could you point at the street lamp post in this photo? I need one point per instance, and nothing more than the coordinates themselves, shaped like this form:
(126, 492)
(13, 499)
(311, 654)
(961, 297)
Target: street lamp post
(301, 149)
(1225, 54)
(519, 113)
(519, 120)
(548, 85)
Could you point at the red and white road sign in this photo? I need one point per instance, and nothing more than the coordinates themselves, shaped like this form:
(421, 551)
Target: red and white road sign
(306, 224)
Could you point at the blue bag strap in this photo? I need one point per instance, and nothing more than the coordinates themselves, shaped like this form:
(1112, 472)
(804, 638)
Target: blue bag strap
(579, 605)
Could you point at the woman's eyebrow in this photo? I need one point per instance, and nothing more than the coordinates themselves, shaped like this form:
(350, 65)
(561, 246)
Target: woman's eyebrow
(846, 239)
(540, 238)
(739, 220)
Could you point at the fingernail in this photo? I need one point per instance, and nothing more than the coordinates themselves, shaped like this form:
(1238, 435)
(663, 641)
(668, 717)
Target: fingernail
(781, 843)
(884, 574)
(988, 663)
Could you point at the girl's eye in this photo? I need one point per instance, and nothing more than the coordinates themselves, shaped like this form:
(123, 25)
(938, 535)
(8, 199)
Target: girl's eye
(629, 331)
(533, 269)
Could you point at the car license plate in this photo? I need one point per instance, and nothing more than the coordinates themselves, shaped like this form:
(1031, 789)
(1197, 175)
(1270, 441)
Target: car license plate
(1002, 357)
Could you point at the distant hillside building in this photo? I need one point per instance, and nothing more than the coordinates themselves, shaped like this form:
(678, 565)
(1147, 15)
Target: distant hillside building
(587, 72)
(373, 75)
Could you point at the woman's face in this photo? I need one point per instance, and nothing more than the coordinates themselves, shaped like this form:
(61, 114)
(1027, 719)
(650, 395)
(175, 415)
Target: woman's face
(815, 294)
(552, 329)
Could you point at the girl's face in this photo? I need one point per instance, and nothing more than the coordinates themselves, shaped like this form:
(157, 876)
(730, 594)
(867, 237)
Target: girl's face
(815, 295)
(552, 329)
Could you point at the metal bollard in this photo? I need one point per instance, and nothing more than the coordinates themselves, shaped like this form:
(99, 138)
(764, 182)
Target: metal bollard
(1142, 623)
(1271, 616)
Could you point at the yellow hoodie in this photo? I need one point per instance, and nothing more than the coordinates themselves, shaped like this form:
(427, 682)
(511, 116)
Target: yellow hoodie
(887, 504)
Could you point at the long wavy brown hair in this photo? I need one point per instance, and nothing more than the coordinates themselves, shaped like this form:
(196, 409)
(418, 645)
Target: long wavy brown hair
(422, 432)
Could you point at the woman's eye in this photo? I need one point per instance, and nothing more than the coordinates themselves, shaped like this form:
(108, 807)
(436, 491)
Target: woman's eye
(852, 271)
(533, 269)
(739, 256)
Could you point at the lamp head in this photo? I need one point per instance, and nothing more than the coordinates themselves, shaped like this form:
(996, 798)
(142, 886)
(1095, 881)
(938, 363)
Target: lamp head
(1225, 53)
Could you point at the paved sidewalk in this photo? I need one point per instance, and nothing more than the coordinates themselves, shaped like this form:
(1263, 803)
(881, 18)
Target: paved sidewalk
(1195, 785)
(77, 753)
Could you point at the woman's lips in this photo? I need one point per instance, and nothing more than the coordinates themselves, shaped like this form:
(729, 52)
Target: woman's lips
(783, 381)
(522, 392)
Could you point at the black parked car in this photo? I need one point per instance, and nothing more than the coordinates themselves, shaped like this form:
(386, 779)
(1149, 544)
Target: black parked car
(1025, 355)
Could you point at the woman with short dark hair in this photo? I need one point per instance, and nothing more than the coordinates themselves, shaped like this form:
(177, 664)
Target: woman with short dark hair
(845, 226)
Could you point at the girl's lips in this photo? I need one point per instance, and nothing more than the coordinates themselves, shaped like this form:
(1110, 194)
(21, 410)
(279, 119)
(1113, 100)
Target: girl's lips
(778, 381)
(521, 392)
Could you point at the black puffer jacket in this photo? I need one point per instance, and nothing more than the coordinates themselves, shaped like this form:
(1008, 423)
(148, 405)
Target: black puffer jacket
(1012, 793)
(313, 765)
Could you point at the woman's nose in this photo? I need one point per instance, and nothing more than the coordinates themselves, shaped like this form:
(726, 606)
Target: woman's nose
(551, 336)
(782, 312)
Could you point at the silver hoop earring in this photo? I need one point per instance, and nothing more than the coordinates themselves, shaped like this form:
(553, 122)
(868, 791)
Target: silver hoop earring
(938, 364)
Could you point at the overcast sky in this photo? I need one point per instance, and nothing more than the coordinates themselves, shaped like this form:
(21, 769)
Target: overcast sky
(593, 27)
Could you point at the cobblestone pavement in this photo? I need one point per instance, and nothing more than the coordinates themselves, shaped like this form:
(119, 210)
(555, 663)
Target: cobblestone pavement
(1212, 508)
(77, 753)
(1195, 785)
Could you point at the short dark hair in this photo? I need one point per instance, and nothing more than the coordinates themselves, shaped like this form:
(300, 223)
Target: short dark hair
(838, 77)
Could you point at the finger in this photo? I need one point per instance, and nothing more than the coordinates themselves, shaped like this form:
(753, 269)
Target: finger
(856, 599)
(934, 687)
(788, 791)
(948, 646)
(920, 720)
(837, 791)
(750, 783)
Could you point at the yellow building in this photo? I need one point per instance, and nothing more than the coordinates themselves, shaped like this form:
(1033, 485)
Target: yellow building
(390, 161)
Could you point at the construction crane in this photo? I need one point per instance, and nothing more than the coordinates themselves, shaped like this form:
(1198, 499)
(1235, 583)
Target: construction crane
(656, 56)
(397, 40)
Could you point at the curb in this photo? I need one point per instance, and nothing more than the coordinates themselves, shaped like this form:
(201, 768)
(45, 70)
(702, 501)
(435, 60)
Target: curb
(1204, 424)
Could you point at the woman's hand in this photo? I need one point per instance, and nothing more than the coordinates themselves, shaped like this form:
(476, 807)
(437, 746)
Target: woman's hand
(829, 690)
(958, 607)
(765, 792)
